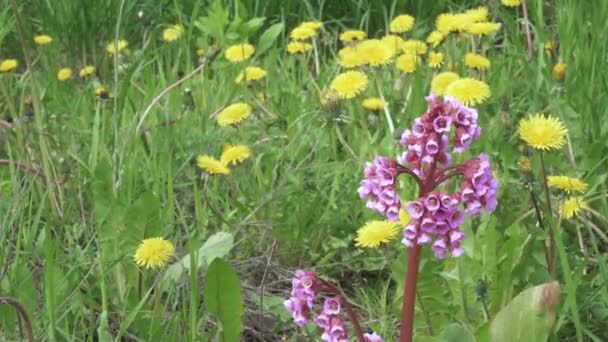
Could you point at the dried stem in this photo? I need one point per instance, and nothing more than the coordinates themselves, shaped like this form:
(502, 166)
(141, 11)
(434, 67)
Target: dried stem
(527, 28)
(541, 223)
(552, 246)
(27, 324)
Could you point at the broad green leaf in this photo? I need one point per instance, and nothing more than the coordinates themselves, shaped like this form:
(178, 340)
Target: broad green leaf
(269, 37)
(456, 333)
(529, 316)
(224, 298)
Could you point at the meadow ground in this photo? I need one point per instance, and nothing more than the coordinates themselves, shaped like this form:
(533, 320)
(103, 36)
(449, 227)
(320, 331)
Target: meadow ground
(95, 161)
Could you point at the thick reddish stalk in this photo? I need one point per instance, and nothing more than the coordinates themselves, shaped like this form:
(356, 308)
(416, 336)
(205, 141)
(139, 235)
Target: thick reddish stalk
(409, 295)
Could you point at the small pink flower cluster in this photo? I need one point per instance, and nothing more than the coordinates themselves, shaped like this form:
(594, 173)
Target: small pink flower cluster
(435, 215)
(373, 337)
(479, 188)
(330, 321)
(303, 293)
(379, 186)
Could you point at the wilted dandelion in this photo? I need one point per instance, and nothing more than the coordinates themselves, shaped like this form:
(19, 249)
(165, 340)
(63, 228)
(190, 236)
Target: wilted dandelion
(349, 84)
(234, 154)
(8, 65)
(407, 62)
(121, 46)
(475, 61)
(572, 206)
(374, 104)
(402, 23)
(240, 52)
(212, 166)
(415, 47)
(298, 47)
(567, 184)
(250, 74)
(543, 132)
(352, 35)
(468, 91)
(43, 39)
(442, 80)
(101, 92)
(329, 100)
(374, 233)
(435, 59)
(435, 38)
(64, 74)
(233, 114)
(154, 253)
(374, 53)
(511, 3)
(482, 29)
(173, 33)
(86, 71)
(559, 71)
(524, 164)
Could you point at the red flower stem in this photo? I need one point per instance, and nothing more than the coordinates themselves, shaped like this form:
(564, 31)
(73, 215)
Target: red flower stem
(446, 177)
(352, 315)
(403, 169)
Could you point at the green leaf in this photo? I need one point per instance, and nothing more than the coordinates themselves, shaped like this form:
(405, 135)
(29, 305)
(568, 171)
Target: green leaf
(456, 333)
(269, 37)
(427, 339)
(224, 298)
(529, 316)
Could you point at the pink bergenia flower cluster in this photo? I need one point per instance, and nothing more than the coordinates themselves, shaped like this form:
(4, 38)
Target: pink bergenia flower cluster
(303, 293)
(372, 337)
(478, 189)
(379, 187)
(330, 321)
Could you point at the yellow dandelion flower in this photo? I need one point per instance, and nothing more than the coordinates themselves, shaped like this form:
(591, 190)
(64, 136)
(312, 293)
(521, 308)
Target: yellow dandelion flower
(298, 47)
(559, 71)
(233, 114)
(475, 61)
(567, 184)
(374, 233)
(154, 253)
(349, 84)
(511, 3)
(435, 60)
(86, 71)
(413, 46)
(407, 62)
(572, 206)
(441, 81)
(302, 33)
(234, 154)
(374, 53)
(477, 14)
(43, 39)
(121, 46)
(173, 33)
(524, 164)
(250, 74)
(212, 166)
(402, 23)
(8, 65)
(542, 132)
(314, 25)
(349, 58)
(449, 22)
(404, 218)
(548, 46)
(393, 42)
(101, 92)
(468, 91)
(374, 104)
(482, 29)
(352, 35)
(64, 74)
(239, 52)
(435, 38)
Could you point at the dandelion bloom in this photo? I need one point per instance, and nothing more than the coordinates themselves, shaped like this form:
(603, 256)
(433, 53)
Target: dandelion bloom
(86, 71)
(240, 52)
(475, 61)
(349, 58)
(559, 71)
(349, 84)
(567, 184)
(373, 233)
(435, 60)
(572, 206)
(477, 14)
(250, 74)
(468, 91)
(374, 53)
(449, 22)
(121, 46)
(415, 47)
(154, 253)
(302, 33)
(315, 25)
(442, 80)
(173, 33)
(374, 104)
(8, 65)
(101, 92)
(393, 42)
(298, 47)
(482, 29)
(212, 166)
(511, 3)
(543, 132)
(402, 23)
(64, 74)
(234, 154)
(407, 62)
(233, 114)
(435, 38)
(352, 35)
(43, 39)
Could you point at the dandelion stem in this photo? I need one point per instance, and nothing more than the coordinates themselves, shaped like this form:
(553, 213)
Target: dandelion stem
(552, 250)
(541, 223)
(389, 119)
